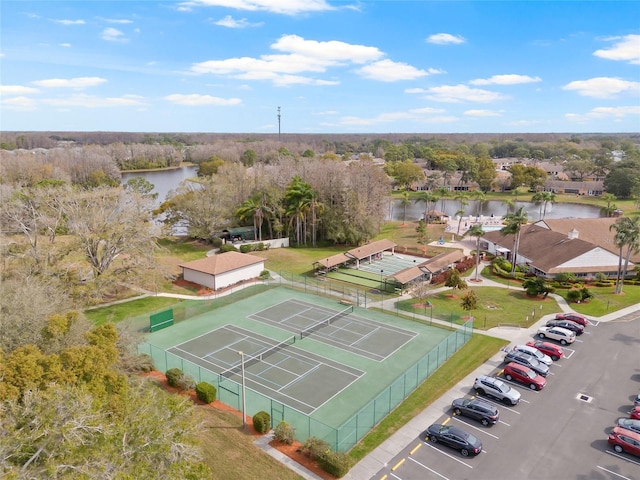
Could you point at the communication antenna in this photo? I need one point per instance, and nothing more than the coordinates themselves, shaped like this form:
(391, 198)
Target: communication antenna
(278, 123)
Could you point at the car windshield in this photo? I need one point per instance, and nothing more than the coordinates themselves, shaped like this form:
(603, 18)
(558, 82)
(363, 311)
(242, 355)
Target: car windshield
(471, 439)
(502, 387)
(530, 374)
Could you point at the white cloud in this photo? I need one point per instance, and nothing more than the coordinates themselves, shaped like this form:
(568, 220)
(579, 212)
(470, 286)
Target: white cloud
(390, 71)
(603, 87)
(415, 114)
(65, 45)
(90, 101)
(17, 90)
(231, 22)
(78, 82)
(113, 35)
(301, 56)
(482, 113)
(283, 7)
(626, 49)
(599, 113)
(69, 22)
(462, 93)
(195, 100)
(119, 21)
(21, 104)
(445, 39)
(415, 90)
(332, 51)
(508, 79)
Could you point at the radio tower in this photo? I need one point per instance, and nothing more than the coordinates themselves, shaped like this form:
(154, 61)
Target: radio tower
(278, 123)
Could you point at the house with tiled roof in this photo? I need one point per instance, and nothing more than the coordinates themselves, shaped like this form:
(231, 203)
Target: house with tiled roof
(223, 270)
(548, 252)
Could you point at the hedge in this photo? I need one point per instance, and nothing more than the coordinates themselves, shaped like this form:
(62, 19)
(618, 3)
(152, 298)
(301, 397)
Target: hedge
(262, 422)
(206, 392)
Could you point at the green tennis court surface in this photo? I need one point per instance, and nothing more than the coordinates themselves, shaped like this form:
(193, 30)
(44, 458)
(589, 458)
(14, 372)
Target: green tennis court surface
(300, 379)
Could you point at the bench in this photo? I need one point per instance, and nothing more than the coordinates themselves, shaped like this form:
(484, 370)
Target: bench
(346, 301)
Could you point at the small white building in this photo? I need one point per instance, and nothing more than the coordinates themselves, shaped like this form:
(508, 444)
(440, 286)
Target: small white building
(223, 270)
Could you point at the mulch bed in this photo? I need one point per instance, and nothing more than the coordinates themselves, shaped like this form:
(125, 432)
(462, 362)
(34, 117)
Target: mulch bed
(292, 451)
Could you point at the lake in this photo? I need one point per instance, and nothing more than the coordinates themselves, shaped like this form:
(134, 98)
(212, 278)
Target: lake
(167, 180)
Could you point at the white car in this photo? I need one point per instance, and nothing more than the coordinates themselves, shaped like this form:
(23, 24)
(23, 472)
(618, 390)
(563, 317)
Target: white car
(558, 334)
(541, 357)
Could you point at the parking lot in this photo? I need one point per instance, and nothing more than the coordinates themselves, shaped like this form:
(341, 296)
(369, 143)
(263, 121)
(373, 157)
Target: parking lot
(559, 432)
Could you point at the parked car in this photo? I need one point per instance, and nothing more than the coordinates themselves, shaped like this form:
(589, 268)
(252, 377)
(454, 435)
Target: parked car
(574, 317)
(636, 401)
(540, 356)
(558, 334)
(527, 360)
(635, 413)
(551, 349)
(629, 424)
(454, 437)
(526, 375)
(624, 440)
(568, 324)
(496, 388)
(477, 409)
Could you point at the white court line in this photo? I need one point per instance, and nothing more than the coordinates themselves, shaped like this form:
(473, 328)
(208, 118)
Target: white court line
(427, 468)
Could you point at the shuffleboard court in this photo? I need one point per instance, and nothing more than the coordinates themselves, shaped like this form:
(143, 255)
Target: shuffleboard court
(300, 379)
(339, 328)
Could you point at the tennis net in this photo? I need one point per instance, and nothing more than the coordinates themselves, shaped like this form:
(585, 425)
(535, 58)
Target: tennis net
(328, 321)
(251, 360)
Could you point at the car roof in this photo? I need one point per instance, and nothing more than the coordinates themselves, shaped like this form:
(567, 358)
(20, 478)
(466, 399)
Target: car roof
(563, 330)
(626, 432)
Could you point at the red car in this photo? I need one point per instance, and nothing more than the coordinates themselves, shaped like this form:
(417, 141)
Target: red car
(554, 351)
(522, 374)
(635, 412)
(574, 317)
(624, 440)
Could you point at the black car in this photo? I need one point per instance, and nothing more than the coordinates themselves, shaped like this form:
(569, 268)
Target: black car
(454, 437)
(568, 324)
(477, 409)
(527, 360)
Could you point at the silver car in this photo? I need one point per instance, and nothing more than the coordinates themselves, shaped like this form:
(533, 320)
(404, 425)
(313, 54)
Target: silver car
(546, 359)
(528, 361)
(496, 388)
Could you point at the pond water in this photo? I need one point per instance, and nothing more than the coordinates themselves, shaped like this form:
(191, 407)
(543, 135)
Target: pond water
(415, 210)
(166, 180)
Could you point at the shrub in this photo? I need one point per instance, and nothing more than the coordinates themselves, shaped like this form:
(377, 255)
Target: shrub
(206, 392)
(335, 463)
(177, 379)
(262, 422)
(246, 248)
(227, 247)
(315, 447)
(284, 433)
(574, 295)
(173, 376)
(216, 242)
(264, 275)
(601, 277)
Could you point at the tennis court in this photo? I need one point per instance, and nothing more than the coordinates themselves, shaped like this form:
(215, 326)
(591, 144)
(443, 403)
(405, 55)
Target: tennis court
(298, 378)
(342, 329)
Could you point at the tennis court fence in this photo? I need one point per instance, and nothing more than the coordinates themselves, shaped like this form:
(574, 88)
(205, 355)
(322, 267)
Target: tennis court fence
(339, 437)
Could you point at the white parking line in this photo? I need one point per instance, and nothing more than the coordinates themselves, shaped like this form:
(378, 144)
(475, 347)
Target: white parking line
(501, 404)
(446, 454)
(504, 423)
(424, 466)
(518, 384)
(483, 430)
(595, 324)
(569, 349)
(622, 457)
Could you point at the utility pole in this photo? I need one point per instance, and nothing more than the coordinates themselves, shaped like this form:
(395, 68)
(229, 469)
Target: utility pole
(278, 123)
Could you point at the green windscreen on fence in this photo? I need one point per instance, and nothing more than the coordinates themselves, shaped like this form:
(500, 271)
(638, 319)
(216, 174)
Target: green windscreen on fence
(161, 320)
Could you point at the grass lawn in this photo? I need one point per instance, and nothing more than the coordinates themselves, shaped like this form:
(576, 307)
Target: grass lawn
(133, 308)
(605, 301)
(477, 351)
(496, 306)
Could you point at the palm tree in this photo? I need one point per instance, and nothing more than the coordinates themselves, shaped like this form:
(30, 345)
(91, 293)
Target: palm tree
(459, 214)
(442, 193)
(404, 201)
(538, 198)
(611, 207)
(476, 231)
(480, 197)
(513, 226)
(428, 198)
(627, 235)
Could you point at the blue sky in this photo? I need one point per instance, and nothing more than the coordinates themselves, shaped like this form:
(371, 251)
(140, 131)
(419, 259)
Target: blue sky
(331, 66)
